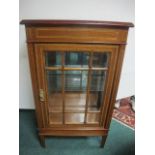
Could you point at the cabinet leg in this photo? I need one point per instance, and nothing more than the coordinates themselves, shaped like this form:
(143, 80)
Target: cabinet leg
(42, 140)
(103, 141)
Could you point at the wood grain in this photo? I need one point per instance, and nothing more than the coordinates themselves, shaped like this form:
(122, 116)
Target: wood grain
(48, 23)
(68, 113)
(115, 85)
(74, 131)
(76, 34)
(32, 63)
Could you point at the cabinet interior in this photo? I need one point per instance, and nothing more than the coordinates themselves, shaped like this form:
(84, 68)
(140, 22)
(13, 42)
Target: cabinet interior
(75, 85)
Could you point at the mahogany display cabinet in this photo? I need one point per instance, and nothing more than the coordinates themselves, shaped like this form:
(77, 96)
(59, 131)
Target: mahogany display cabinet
(75, 69)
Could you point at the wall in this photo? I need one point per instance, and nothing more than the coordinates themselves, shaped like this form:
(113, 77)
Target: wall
(111, 10)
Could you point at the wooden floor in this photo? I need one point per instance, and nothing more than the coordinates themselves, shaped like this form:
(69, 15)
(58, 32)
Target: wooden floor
(74, 112)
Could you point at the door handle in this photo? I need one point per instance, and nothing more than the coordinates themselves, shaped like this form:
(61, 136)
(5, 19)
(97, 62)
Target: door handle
(42, 95)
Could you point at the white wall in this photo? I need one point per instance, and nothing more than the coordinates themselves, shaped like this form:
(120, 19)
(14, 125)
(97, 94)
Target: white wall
(111, 10)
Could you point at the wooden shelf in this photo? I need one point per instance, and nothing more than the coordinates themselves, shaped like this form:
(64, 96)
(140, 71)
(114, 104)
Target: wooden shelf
(74, 102)
(74, 112)
(73, 118)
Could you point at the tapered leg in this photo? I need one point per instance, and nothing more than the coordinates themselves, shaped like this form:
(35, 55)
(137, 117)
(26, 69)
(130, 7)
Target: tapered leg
(42, 140)
(103, 141)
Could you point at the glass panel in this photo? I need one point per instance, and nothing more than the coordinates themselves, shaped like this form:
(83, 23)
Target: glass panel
(76, 80)
(75, 90)
(76, 59)
(93, 118)
(56, 118)
(74, 118)
(96, 90)
(75, 102)
(75, 87)
(55, 102)
(100, 59)
(53, 59)
(54, 79)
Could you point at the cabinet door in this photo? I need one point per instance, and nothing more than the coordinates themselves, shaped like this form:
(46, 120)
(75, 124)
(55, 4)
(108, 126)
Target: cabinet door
(75, 82)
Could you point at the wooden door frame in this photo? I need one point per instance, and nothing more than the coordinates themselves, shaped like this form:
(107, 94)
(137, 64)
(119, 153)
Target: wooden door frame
(40, 61)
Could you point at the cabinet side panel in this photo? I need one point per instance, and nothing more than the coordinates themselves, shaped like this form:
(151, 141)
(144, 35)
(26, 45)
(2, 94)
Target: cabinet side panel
(32, 64)
(115, 85)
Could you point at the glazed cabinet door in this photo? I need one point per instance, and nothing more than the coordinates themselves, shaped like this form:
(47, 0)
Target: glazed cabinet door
(75, 82)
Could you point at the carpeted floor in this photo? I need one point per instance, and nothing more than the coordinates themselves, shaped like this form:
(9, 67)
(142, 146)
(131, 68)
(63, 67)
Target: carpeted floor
(119, 142)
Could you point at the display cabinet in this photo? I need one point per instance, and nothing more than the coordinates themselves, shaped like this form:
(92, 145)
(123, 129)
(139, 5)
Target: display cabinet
(75, 69)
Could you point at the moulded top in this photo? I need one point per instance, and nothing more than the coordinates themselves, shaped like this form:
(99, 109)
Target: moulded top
(90, 23)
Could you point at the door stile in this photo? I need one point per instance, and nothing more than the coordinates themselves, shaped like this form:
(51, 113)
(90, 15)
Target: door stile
(40, 76)
(108, 84)
(115, 83)
(33, 70)
(45, 86)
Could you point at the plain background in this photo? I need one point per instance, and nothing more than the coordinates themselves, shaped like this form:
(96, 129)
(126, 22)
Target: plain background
(110, 10)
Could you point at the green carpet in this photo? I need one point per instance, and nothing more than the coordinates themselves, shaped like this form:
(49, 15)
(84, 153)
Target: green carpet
(120, 141)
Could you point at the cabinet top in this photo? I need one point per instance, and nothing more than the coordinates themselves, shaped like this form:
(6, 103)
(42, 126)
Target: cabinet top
(89, 23)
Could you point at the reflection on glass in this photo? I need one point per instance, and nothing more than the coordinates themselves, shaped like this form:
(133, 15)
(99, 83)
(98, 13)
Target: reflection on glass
(74, 118)
(93, 118)
(100, 59)
(96, 90)
(56, 118)
(53, 59)
(76, 80)
(54, 79)
(97, 80)
(76, 59)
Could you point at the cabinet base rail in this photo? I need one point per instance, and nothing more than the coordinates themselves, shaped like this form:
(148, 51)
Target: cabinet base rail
(72, 133)
(98, 131)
